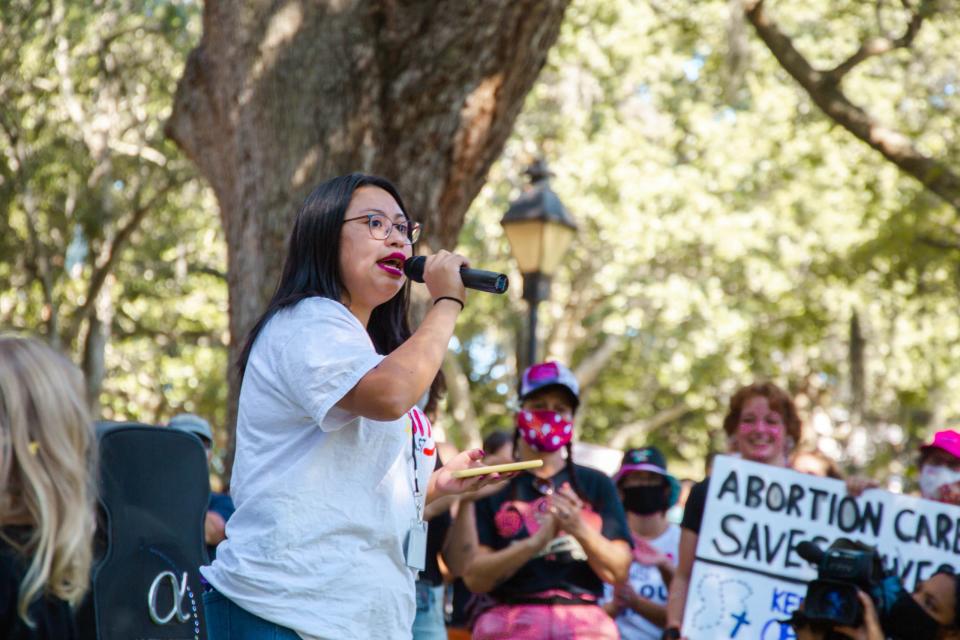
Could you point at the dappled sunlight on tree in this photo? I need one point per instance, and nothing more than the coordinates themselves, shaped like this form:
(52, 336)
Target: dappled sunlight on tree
(735, 223)
(110, 247)
(720, 242)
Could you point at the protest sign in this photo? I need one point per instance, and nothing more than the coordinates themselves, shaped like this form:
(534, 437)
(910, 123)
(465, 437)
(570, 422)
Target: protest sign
(748, 575)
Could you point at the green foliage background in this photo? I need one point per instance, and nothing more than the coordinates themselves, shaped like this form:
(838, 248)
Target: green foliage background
(91, 187)
(728, 231)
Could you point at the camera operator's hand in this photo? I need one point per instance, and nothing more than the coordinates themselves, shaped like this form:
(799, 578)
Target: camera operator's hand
(802, 628)
(870, 629)
(806, 633)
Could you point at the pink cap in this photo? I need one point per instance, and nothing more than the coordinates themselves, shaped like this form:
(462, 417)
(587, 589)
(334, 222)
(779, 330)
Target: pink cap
(947, 440)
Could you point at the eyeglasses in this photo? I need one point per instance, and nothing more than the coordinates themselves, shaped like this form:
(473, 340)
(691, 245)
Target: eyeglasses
(381, 227)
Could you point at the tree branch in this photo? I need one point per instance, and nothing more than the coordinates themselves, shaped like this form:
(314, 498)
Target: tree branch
(940, 243)
(139, 29)
(591, 366)
(141, 329)
(38, 263)
(142, 151)
(622, 436)
(893, 145)
(12, 134)
(881, 45)
(109, 257)
(868, 49)
(210, 271)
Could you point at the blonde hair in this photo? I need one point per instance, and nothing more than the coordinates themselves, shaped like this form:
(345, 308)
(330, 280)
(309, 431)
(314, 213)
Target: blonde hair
(47, 458)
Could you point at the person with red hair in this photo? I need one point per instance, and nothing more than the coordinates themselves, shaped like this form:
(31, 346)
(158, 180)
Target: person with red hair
(763, 426)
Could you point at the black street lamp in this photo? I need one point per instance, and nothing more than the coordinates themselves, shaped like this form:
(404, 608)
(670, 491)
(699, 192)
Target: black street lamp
(539, 229)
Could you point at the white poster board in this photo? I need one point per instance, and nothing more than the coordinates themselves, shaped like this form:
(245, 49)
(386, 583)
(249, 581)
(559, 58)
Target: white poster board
(747, 575)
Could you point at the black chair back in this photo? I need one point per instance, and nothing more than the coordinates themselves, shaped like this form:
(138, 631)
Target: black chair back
(154, 491)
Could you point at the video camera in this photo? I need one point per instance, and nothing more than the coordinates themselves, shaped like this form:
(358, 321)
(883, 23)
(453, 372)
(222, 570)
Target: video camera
(832, 599)
(843, 569)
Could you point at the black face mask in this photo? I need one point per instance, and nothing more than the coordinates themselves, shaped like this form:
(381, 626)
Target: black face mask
(907, 620)
(645, 500)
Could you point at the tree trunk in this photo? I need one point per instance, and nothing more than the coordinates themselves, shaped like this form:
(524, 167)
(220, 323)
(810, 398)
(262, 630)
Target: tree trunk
(465, 428)
(278, 97)
(858, 384)
(93, 363)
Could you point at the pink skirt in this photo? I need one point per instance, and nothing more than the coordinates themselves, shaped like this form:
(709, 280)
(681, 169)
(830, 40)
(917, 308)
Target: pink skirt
(545, 622)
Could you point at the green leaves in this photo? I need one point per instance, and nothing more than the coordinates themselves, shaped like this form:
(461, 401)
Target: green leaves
(728, 230)
(108, 232)
(720, 243)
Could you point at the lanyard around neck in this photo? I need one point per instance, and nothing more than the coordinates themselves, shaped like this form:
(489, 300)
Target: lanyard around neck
(416, 481)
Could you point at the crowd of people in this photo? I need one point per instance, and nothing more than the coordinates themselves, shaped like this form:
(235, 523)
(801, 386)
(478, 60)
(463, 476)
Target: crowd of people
(346, 518)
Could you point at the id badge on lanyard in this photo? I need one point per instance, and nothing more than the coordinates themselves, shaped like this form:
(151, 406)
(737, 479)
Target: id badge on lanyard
(415, 546)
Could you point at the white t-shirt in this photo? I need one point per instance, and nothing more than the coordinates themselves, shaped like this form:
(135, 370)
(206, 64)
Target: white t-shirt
(648, 583)
(324, 498)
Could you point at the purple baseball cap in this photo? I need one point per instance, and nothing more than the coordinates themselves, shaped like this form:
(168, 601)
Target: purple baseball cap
(947, 440)
(548, 374)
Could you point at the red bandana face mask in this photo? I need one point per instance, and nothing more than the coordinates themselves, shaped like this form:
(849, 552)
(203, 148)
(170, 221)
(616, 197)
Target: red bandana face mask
(544, 430)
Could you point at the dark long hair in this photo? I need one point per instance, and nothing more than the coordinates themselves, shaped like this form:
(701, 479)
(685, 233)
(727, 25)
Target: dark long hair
(312, 265)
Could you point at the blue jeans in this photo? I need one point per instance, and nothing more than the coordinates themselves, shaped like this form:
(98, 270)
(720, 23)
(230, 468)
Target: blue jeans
(428, 625)
(227, 621)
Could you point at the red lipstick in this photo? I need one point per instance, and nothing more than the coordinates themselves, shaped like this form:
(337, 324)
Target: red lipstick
(393, 263)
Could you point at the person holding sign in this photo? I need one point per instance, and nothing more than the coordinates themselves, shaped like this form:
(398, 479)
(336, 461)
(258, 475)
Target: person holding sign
(334, 462)
(763, 426)
(639, 605)
(551, 538)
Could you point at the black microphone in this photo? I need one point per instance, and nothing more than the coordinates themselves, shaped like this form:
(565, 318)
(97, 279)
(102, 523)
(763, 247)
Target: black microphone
(810, 552)
(472, 278)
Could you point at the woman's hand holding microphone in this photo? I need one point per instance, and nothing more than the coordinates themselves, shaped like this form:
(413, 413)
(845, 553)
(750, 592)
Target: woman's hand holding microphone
(441, 274)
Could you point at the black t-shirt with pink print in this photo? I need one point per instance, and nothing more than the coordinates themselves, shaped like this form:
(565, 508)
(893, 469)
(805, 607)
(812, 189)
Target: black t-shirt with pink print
(561, 567)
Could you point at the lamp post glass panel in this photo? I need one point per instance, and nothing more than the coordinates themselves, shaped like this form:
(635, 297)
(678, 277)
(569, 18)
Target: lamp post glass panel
(539, 229)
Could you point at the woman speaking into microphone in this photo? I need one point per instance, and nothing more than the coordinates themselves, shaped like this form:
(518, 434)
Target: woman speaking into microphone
(334, 462)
